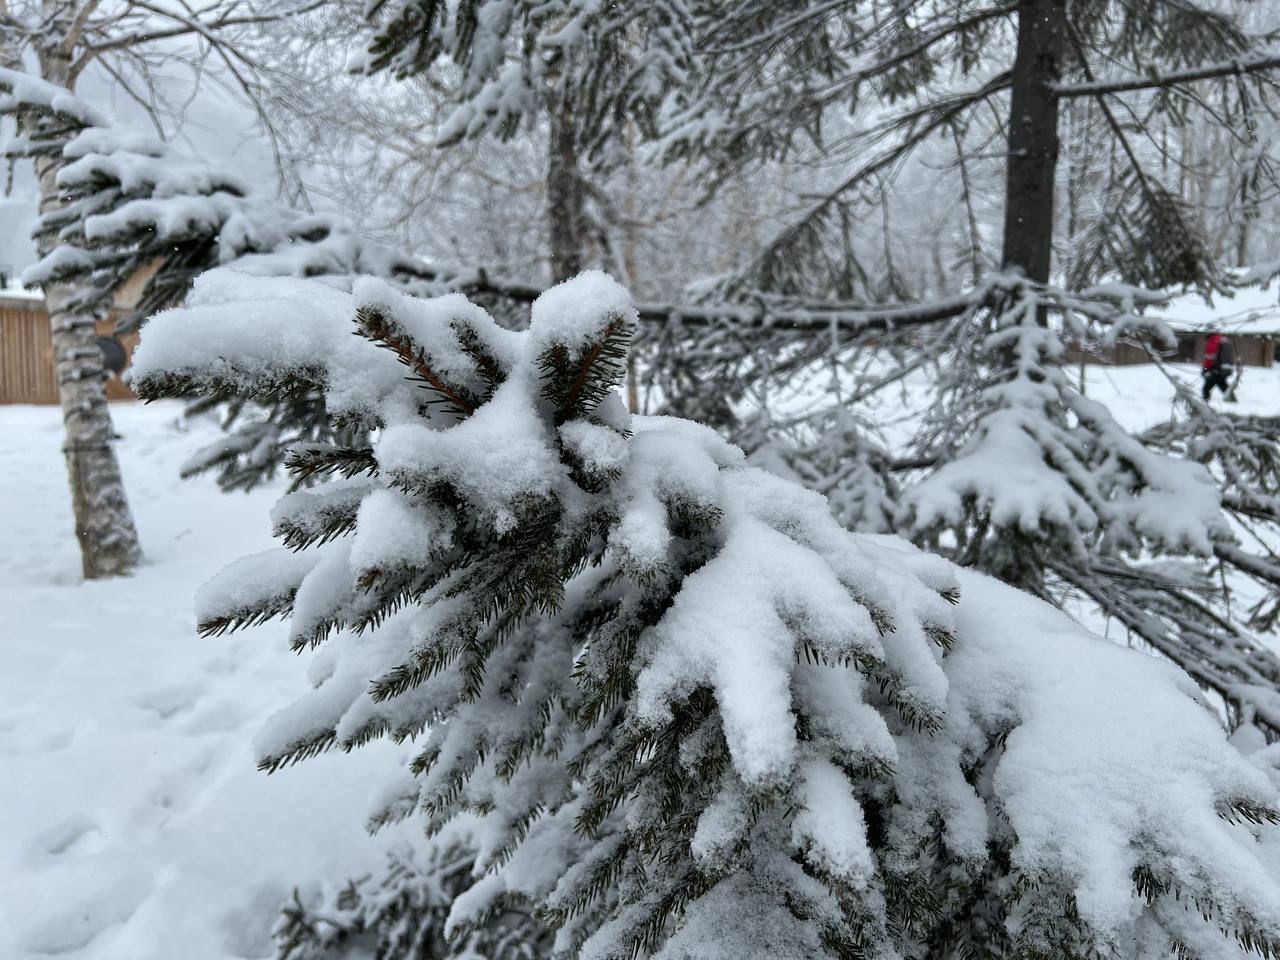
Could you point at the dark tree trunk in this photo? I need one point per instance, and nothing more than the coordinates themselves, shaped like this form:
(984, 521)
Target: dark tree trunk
(565, 214)
(1033, 137)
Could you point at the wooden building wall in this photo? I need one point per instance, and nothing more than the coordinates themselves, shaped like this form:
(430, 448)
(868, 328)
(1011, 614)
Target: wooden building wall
(1251, 351)
(1122, 355)
(26, 346)
(26, 354)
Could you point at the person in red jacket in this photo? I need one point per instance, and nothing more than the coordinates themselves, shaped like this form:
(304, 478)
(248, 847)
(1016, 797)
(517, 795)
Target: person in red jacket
(1219, 362)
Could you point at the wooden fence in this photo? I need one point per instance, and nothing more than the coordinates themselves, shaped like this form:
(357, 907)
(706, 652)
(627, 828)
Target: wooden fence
(1252, 350)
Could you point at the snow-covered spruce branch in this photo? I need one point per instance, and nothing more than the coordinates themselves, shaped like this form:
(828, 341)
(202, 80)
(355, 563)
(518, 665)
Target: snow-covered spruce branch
(749, 313)
(596, 69)
(1031, 481)
(400, 913)
(1170, 609)
(688, 709)
(129, 202)
(60, 112)
(1243, 454)
(737, 49)
(1049, 491)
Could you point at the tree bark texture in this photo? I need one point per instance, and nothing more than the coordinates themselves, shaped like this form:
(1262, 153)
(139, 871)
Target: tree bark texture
(1033, 137)
(104, 524)
(566, 220)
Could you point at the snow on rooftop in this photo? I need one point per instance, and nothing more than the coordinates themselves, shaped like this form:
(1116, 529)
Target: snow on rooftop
(1251, 310)
(11, 289)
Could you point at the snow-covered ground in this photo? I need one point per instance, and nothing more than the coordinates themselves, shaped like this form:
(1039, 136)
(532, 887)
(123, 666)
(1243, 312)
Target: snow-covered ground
(1140, 396)
(133, 824)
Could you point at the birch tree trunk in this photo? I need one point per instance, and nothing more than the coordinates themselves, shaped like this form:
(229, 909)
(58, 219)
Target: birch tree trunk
(104, 524)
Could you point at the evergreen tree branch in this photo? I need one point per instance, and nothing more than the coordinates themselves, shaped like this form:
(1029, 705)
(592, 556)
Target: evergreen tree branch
(1244, 66)
(378, 327)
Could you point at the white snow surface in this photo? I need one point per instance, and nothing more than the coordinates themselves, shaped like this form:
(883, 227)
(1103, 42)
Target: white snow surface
(133, 822)
(1249, 310)
(291, 322)
(569, 314)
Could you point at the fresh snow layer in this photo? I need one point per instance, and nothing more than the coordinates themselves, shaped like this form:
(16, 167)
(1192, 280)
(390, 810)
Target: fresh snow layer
(1251, 310)
(569, 313)
(305, 316)
(23, 88)
(133, 822)
(1160, 777)
(1138, 396)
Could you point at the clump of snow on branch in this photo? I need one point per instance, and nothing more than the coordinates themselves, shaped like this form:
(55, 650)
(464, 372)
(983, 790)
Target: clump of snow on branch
(1047, 462)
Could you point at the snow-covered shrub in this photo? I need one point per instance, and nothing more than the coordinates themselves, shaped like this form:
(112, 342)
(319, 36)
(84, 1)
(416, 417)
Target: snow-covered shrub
(692, 714)
(400, 914)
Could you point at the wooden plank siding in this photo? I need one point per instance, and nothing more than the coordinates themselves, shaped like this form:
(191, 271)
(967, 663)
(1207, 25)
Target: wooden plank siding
(26, 345)
(26, 354)
(1252, 350)
(1121, 355)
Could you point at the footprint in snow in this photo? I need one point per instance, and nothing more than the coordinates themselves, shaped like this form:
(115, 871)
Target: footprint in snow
(78, 834)
(169, 701)
(179, 791)
(219, 717)
(35, 740)
(66, 924)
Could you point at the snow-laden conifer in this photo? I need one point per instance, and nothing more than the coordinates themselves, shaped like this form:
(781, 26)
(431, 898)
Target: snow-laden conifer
(610, 64)
(974, 438)
(692, 714)
(1027, 478)
(130, 205)
(400, 914)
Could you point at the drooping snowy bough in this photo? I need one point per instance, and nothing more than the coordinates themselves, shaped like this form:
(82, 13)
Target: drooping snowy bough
(130, 208)
(694, 715)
